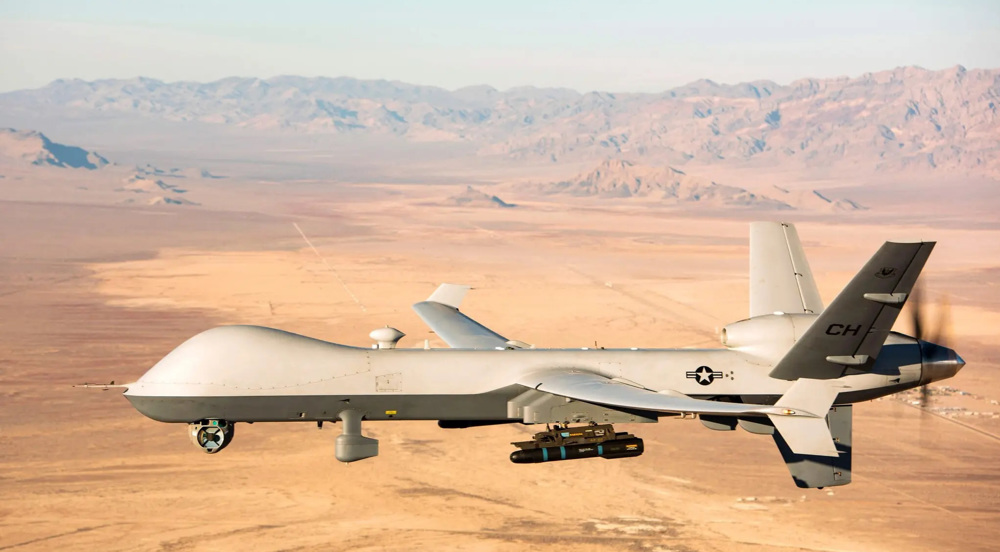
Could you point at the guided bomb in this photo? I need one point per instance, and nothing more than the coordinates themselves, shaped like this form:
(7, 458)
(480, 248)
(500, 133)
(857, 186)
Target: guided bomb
(564, 443)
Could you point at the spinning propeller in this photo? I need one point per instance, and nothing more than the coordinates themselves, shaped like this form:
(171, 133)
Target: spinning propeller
(921, 329)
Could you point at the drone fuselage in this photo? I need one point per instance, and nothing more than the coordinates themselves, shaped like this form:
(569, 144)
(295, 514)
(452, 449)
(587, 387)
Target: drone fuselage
(257, 374)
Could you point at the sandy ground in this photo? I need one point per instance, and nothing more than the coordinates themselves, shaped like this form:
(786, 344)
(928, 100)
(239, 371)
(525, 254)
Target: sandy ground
(92, 293)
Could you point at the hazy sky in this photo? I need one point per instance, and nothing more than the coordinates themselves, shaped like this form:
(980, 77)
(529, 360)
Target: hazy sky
(614, 46)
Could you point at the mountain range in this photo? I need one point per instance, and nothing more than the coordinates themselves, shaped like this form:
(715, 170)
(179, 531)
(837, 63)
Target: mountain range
(904, 119)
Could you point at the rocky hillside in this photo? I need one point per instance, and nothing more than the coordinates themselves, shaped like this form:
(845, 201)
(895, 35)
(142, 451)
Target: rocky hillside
(28, 146)
(471, 197)
(668, 185)
(904, 119)
(29, 152)
(623, 179)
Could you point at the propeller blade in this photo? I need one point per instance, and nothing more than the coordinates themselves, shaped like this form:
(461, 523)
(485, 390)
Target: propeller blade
(916, 312)
(921, 329)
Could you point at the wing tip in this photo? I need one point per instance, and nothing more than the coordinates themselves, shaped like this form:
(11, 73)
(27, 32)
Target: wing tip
(912, 242)
(449, 294)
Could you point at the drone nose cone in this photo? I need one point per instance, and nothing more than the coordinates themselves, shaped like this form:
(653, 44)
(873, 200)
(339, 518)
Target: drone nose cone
(938, 362)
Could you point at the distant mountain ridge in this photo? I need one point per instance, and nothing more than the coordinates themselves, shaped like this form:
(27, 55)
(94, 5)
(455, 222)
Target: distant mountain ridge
(35, 148)
(617, 178)
(904, 119)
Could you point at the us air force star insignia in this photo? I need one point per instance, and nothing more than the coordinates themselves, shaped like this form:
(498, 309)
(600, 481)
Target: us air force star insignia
(704, 375)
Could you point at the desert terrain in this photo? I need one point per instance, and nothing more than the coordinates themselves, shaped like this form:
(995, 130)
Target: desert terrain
(105, 269)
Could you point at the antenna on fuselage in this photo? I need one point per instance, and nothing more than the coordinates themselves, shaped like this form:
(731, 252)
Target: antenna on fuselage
(386, 338)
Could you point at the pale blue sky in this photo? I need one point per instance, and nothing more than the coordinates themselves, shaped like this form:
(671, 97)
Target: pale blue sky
(615, 46)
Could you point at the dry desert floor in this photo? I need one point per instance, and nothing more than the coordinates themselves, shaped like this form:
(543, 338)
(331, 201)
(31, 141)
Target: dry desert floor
(101, 292)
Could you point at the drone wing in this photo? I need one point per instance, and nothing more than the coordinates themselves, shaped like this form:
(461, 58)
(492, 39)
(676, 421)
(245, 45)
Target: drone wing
(799, 415)
(440, 312)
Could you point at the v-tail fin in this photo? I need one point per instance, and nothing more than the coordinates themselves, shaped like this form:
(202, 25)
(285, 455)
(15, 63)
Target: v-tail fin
(780, 278)
(804, 428)
(851, 331)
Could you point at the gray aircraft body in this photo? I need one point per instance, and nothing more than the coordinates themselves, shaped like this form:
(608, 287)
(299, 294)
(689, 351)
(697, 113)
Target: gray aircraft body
(791, 371)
